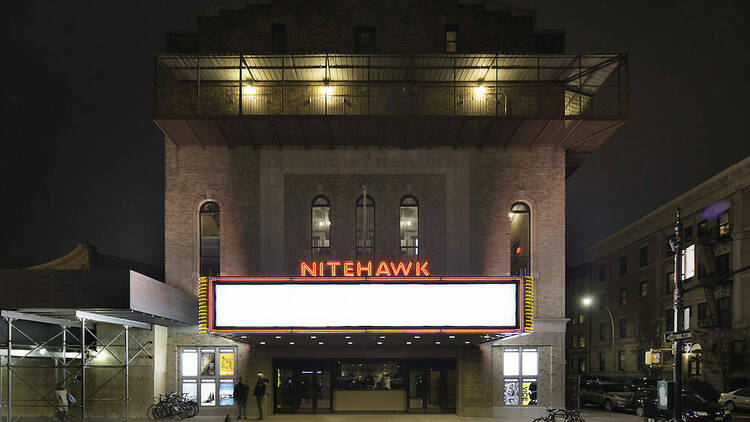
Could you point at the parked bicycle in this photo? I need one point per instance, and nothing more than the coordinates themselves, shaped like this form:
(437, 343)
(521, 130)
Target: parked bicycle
(173, 405)
(561, 415)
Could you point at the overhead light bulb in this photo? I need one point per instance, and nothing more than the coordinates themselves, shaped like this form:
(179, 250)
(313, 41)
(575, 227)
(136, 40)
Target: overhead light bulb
(480, 89)
(249, 89)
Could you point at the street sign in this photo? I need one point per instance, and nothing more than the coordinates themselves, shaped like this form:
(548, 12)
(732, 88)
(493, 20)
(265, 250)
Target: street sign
(677, 336)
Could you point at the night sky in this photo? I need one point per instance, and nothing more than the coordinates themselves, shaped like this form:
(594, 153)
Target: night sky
(83, 160)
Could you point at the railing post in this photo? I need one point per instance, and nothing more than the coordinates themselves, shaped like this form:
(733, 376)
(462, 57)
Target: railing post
(283, 72)
(198, 86)
(239, 84)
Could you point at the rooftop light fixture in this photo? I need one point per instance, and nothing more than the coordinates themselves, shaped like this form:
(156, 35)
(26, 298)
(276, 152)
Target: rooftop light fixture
(480, 89)
(249, 89)
(326, 89)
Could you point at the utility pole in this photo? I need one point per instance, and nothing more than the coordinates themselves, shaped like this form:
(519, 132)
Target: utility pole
(676, 245)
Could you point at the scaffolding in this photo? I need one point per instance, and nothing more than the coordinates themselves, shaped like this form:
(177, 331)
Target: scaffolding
(71, 361)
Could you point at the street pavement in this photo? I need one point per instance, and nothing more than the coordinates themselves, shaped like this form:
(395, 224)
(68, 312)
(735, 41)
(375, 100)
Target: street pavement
(589, 414)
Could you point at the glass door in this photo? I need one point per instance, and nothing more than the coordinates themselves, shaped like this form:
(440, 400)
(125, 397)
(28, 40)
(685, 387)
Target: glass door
(450, 390)
(434, 391)
(322, 391)
(284, 390)
(416, 391)
(306, 396)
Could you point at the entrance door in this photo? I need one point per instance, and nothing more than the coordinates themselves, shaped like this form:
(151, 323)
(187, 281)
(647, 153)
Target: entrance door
(302, 387)
(284, 384)
(434, 402)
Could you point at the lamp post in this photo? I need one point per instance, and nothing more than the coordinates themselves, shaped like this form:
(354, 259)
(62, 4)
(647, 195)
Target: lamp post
(587, 301)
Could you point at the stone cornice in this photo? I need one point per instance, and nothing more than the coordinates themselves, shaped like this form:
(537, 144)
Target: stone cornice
(722, 185)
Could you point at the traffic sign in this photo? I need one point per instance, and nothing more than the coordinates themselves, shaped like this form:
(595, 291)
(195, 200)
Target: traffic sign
(677, 336)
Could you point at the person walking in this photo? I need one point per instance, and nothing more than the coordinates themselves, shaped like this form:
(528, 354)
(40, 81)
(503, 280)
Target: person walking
(259, 393)
(240, 396)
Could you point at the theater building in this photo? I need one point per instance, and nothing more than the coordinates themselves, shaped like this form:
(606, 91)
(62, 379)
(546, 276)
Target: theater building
(368, 199)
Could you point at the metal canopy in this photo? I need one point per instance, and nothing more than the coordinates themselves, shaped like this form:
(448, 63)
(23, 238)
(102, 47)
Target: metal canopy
(584, 72)
(106, 295)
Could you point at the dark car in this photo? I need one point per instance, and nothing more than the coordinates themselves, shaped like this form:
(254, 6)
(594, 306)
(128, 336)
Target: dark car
(609, 395)
(694, 407)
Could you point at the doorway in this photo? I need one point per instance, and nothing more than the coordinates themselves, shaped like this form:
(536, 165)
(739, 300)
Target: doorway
(302, 387)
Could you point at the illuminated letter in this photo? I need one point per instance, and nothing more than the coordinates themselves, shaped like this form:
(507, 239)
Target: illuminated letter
(401, 268)
(422, 269)
(348, 269)
(320, 269)
(360, 268)
(383, 269)
(332, 265)
(304, 269)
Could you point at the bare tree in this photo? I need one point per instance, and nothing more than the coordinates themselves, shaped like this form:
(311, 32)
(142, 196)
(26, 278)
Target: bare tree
(648, 334)
(720, 351)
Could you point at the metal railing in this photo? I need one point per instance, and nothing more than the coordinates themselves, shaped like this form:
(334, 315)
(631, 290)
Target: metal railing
(481, 85)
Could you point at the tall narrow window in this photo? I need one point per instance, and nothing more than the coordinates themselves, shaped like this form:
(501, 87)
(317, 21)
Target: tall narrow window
(209, 241)
(278, 38)
(643, 257)
(520, 239)
(409, 223)
(723, 224)
(364, 39)
(451, 38)
(365, 239)
(623, 264)
(321, 225)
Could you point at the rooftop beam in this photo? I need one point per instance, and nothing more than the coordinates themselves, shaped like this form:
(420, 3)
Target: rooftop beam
(90, 316)
(37, 318)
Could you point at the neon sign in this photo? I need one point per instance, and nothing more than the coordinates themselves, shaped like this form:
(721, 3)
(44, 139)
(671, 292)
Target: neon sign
(364, 269)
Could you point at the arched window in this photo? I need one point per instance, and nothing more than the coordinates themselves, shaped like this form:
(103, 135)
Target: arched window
(209, 240)
(520, 239)
(365, 239)
(321, 225)
(409, 224)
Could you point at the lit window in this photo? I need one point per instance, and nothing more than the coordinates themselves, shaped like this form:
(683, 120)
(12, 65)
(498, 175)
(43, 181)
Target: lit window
(451, 38)
(520, 372)
(724, 224)
(520, 239)
(365, 241)
(321, 225)
(409, 224)
(644, 289)
(581, 341)
(207, 375)
(620, 360)
(623, 296)
(209, 239)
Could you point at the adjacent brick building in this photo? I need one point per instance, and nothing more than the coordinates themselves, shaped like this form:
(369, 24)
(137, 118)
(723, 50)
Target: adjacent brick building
(632, 274)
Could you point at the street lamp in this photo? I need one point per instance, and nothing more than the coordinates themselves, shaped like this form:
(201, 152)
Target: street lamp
(587, 301)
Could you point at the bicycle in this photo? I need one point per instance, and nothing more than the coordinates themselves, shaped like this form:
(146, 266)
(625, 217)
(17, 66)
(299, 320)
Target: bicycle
(560, 415)
(173, 405)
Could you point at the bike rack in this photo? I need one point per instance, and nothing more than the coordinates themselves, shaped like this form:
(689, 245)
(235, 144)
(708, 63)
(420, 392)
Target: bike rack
(64, 359)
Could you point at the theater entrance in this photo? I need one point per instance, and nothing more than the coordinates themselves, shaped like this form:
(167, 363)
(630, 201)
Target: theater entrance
(364, 385)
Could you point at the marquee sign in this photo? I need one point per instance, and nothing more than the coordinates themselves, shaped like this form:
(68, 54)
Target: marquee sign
(353, 304)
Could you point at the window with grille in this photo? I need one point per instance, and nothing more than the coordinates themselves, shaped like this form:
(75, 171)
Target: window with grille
(209, 239)
(520, 376)
(207, 375)
(321, 225)
(409, 226)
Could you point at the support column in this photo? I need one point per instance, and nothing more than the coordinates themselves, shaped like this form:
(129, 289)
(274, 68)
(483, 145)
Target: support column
(83, 370)
(10, 373)
(127, 375)
(160, 361)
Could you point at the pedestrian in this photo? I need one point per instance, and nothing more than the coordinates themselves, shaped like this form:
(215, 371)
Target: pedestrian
(259, 393)
(61, 403)
(240, 396)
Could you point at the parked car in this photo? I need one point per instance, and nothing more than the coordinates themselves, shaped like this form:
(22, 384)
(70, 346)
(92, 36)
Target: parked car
(610, 396)
(694, 407)
(737, 399)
